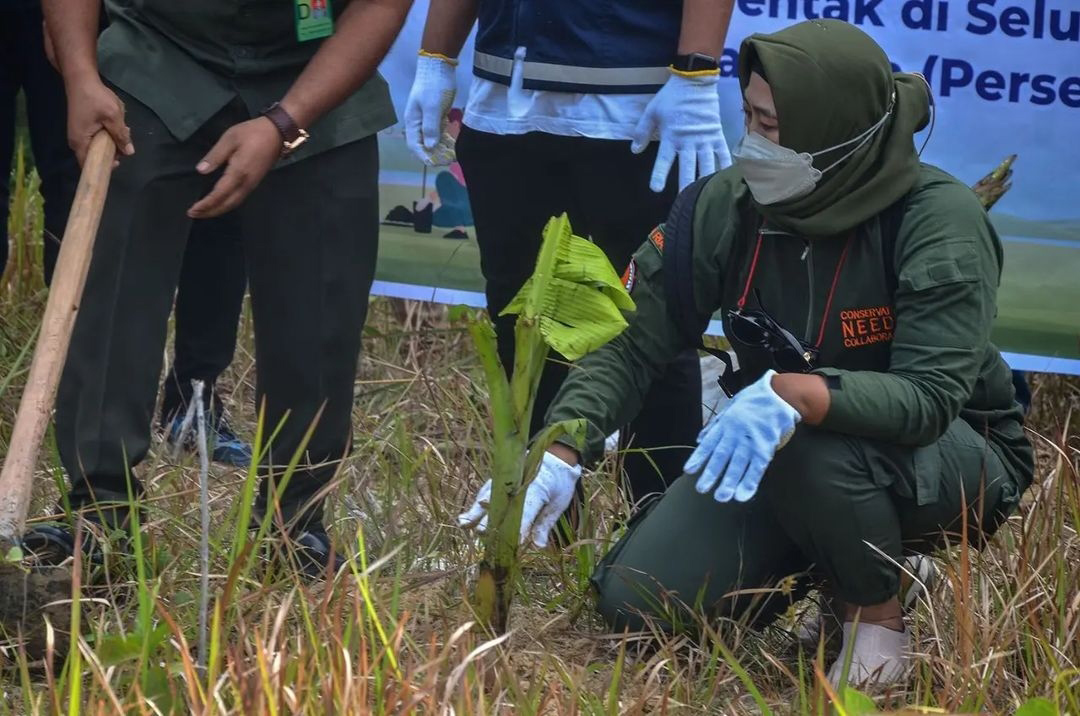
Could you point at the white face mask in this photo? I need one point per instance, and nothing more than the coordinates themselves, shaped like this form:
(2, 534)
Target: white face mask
(775, 174)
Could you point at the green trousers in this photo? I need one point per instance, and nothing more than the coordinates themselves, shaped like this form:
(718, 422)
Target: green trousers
(830, 507)
(310, 235)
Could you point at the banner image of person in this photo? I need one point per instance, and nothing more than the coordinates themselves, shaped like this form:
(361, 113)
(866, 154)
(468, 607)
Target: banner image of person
(1004, 78)
(427, 248)
(446, 206)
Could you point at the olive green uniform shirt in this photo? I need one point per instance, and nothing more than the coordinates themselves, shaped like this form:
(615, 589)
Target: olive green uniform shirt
(903, 356)
(188, 59)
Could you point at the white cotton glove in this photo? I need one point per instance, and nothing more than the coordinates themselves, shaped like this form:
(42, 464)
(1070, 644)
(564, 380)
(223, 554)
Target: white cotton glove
(738, 444)
(430, 99)
(546, 498)
(685, 113)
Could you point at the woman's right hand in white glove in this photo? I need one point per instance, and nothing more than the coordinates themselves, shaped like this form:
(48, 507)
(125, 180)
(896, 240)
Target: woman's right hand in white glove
(429, 100)
(546, 498)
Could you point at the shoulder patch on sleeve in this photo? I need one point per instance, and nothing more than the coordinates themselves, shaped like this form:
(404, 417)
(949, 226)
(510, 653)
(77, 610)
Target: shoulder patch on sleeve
(629, 277)
(656, 238)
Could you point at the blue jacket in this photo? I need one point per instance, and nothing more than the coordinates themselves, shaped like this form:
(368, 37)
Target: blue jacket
(594, 46)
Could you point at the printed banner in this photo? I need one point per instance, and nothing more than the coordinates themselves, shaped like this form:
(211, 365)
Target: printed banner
(1005, 76)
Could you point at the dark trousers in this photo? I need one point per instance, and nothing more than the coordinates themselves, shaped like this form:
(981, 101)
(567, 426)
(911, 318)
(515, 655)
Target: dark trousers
(23, 65)
(209, 298)
(310, 234)
(832, 506)
(212, 279)
(517, 183)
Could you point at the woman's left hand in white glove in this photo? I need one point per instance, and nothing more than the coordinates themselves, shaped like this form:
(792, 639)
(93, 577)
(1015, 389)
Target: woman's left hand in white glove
(738, 444)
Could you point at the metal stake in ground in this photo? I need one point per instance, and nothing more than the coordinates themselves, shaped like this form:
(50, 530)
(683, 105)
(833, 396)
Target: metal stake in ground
(204, 512)
(25, 591)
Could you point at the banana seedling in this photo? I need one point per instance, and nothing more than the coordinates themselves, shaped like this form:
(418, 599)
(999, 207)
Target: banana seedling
(572, 304)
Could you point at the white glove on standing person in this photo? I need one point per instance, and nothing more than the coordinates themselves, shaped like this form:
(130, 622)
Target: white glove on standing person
(686, 115)
(546, 498)
(430, 98)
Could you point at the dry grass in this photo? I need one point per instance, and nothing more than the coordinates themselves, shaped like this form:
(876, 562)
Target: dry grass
(391, 634)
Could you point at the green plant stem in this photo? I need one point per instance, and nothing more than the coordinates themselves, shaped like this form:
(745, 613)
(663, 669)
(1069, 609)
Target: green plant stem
(495, 580)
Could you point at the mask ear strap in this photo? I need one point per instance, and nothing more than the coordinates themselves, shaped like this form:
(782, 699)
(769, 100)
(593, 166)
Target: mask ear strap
(933, 110)
(865, 137)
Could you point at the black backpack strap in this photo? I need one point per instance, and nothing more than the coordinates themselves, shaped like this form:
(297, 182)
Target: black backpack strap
(889, 222)
(678, 258)
(679, 264)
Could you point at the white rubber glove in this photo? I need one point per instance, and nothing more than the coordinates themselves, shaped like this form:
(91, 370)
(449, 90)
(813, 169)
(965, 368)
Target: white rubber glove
(739, 442)
(546, 498)
(685, 113)
(429, 100)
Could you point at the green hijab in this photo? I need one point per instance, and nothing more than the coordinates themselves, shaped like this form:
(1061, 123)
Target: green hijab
(831, 82)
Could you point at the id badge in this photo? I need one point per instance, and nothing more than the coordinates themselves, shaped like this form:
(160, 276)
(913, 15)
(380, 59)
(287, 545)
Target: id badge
(314, 20)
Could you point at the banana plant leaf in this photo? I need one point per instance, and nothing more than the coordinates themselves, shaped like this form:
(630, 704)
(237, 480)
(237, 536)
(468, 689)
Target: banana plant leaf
(574, 295)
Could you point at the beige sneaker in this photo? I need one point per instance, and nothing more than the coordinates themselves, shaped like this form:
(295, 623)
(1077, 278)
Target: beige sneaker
(879, 656)
(918, 576)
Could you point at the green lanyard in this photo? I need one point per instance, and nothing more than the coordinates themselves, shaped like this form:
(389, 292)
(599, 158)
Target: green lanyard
(314, 20)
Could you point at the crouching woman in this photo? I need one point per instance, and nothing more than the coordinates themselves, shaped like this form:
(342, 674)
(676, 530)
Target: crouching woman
(857, 286)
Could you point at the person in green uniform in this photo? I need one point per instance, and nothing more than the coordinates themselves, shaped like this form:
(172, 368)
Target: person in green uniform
(857, 287)
(256, 107)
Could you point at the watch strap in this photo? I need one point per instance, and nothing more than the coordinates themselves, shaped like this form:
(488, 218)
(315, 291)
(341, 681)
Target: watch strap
(285, 124)
(695, 62)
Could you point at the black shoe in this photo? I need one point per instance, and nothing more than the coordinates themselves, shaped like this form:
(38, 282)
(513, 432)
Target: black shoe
(53, 544)
(309, 553)
(456, 234)
(107, 552)
(316, 554)
(399, 216)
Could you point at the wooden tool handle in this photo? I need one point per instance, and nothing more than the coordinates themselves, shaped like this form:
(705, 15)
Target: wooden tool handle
(35, 408)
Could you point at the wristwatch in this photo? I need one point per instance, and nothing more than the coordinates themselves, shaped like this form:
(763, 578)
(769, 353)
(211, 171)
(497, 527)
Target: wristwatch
(695, 62)
(291, 135)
